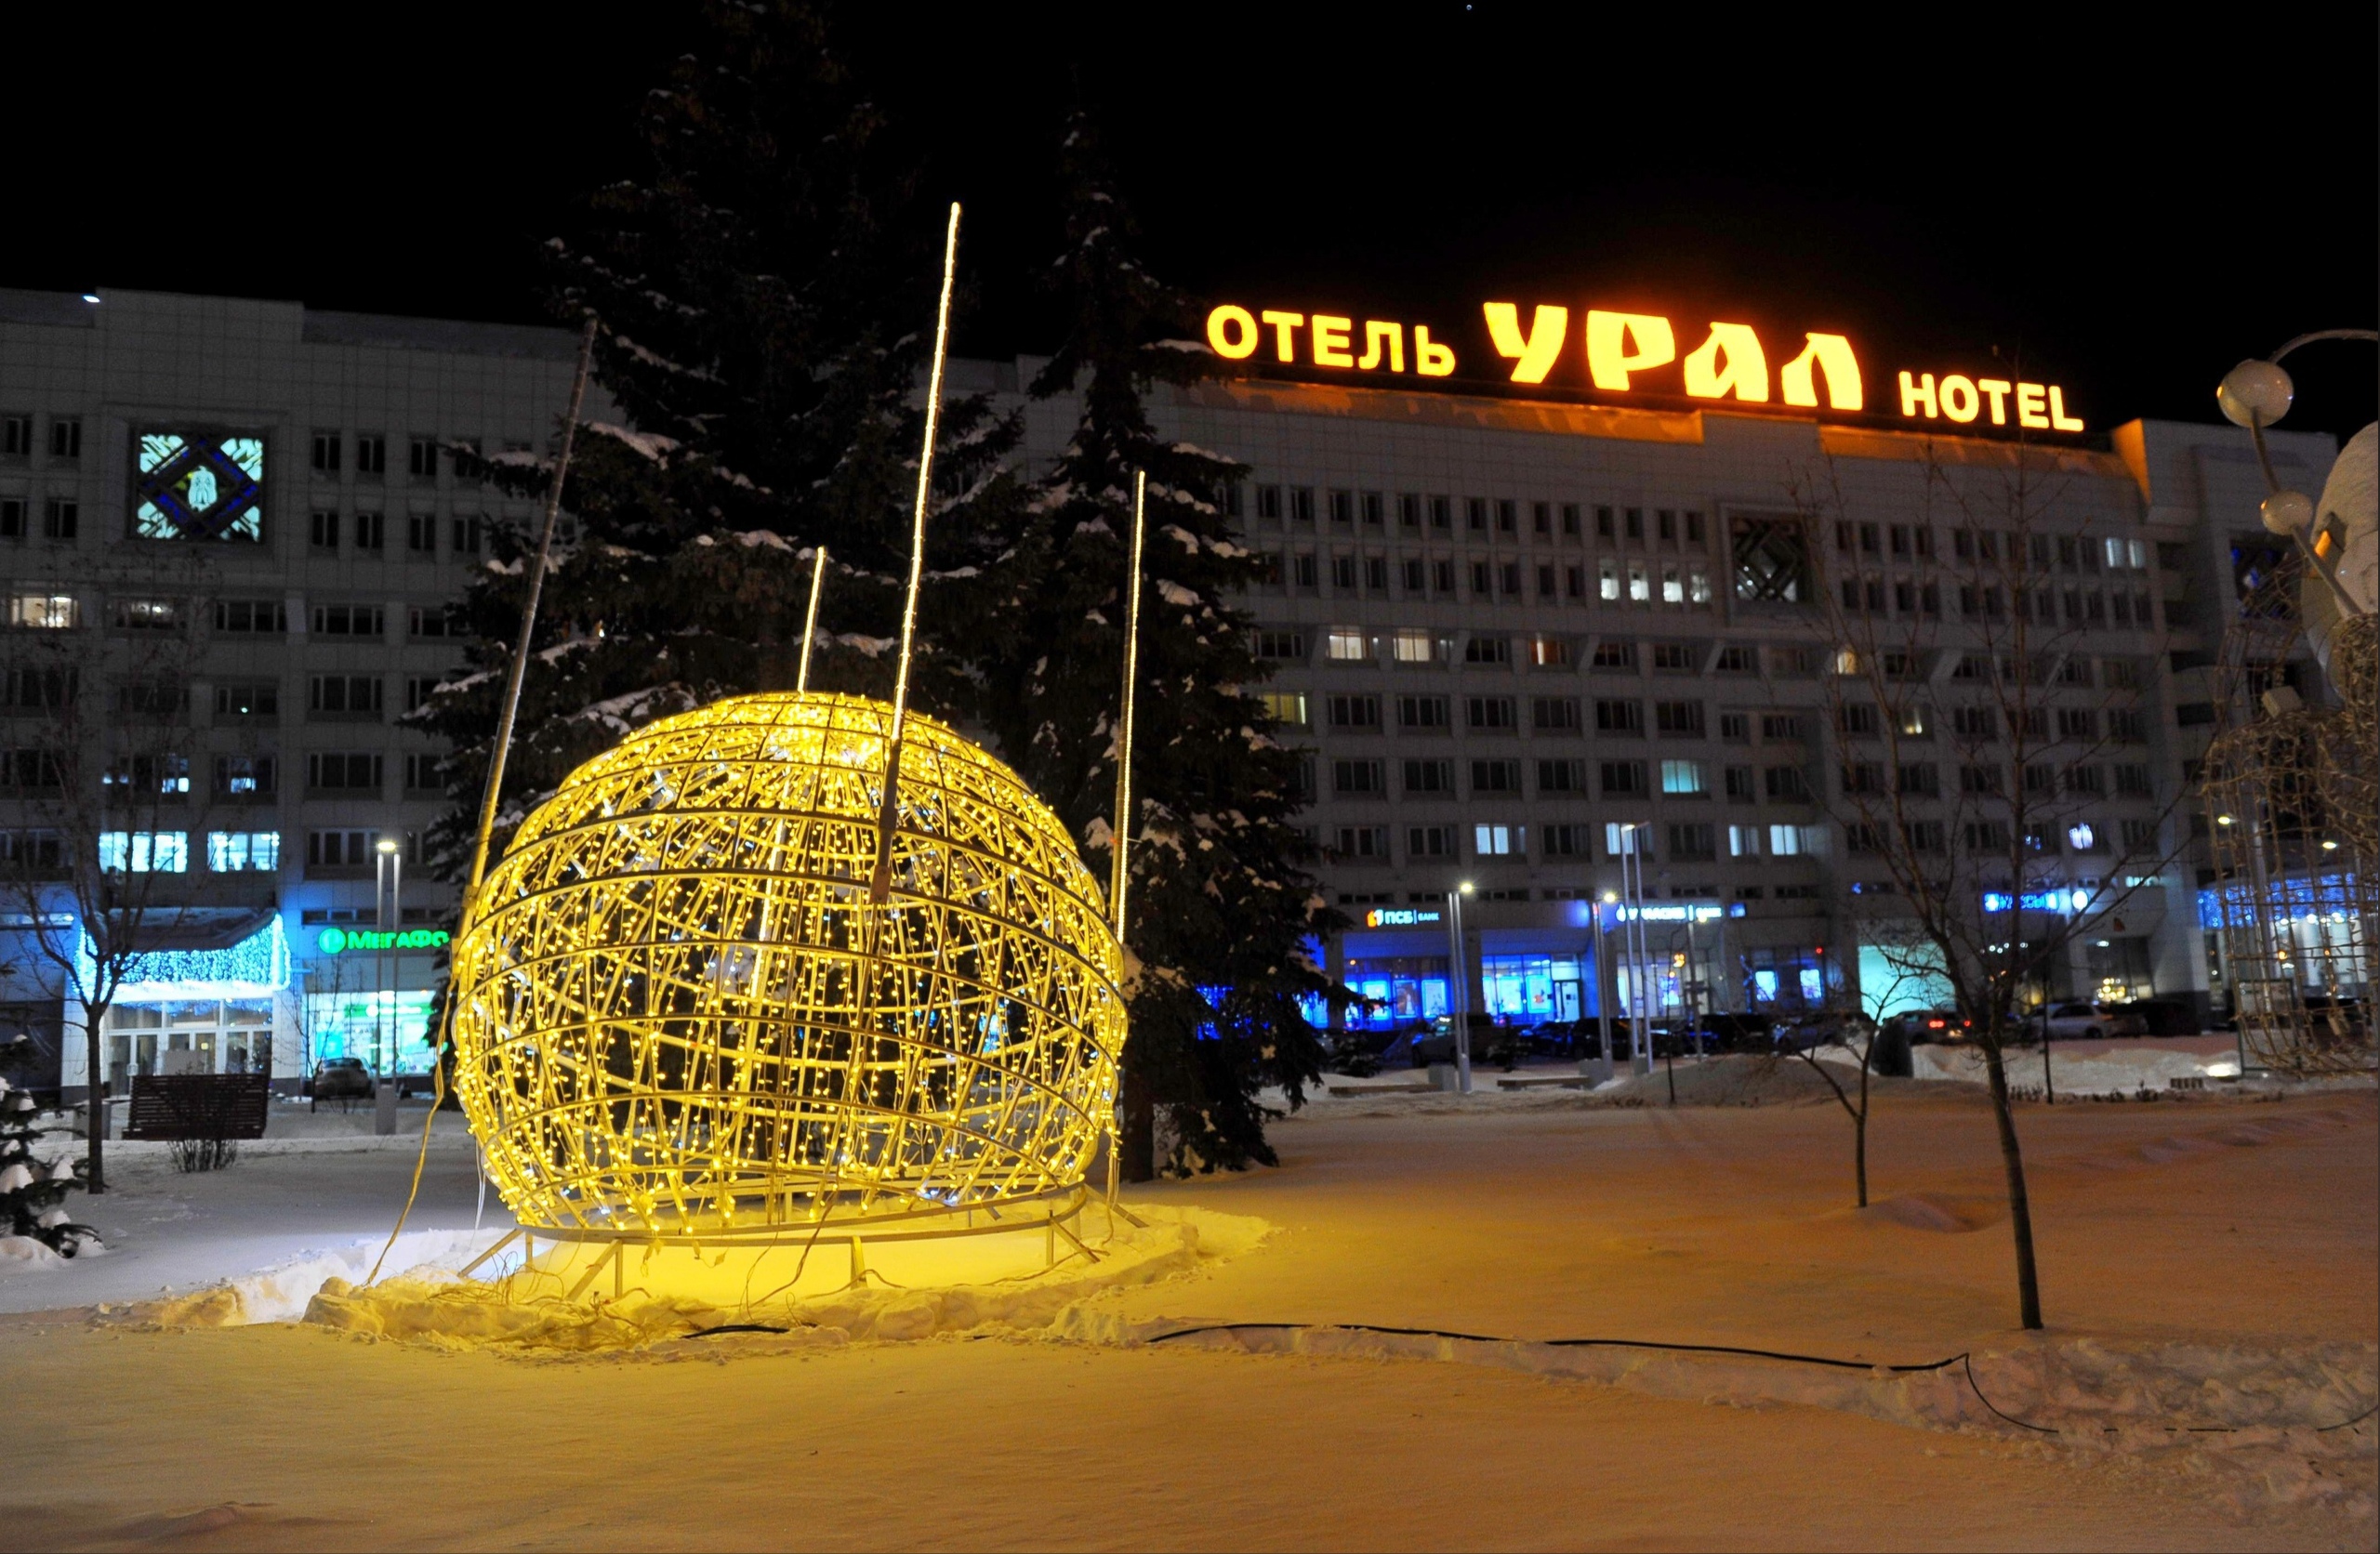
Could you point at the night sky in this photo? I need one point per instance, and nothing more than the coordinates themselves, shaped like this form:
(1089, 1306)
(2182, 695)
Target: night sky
(2125, 205)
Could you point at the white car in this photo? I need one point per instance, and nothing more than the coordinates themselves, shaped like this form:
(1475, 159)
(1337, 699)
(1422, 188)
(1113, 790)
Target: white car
(2085, 1021)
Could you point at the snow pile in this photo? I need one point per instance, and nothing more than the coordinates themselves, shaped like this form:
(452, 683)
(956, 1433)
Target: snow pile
(2114, 1067)
(530, 1308)
(1755, 1081)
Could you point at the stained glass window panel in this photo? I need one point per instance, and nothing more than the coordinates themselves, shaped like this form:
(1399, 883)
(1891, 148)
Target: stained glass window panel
(198, 486)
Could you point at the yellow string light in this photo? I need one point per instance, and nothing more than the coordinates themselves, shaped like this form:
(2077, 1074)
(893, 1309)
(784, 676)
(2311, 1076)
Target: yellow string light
(677, 1013)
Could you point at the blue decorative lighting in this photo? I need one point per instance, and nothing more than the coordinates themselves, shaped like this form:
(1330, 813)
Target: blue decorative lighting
(258, 966)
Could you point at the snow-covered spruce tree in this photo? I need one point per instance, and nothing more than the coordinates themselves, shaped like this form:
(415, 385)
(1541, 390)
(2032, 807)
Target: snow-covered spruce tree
(1221, 906)
(32, 1190)
(764, 295)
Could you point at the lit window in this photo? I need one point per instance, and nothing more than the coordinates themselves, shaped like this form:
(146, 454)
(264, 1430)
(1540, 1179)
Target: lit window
(1682, 777)
(1743, 841)
(1672, 587)
(43, 611)
(1608, 579)
(231, 851)
(1697, 586)
(1622, 837)
(1640, 587)
(1286, 706)
(1346, 644)
(1498, 841)
(1410, 645)
(1785, 841)
(144, 851)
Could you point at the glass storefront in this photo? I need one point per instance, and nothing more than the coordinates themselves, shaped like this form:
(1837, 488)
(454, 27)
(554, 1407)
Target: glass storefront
(388, 1029)
(188, 1036)
(1408, 988)
(1529, 990)
(1783, 979)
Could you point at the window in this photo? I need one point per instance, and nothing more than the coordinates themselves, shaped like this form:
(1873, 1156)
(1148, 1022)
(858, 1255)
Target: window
(12, 518)
(1918, 779)
(1566, 841)
(1422, 712)
(148, 615)
(1975, 722)
(1499, 841)
(1627, 838)
(1355, 712)
(1441, 512)
(1363, 843)
(419, 689)
(1507, 516)
(421, 533)
(1857, 719)
(1665, 522)
(147, 776)
(2132, 780)
(1280, 646)
(2040, 780)
(1358, 779)
(1793, 841)
(1301, 504)
(1770, 558)
(2139, 835)
(1550, 652)
(372, 455)
(1345, 645)
(242, 779)
(1495, 777)
(1411, 645)
(421, 458)
(144, 851)
(1619, 718)
(1442, 578)
(2087, 779)
(152, 698)
(2078, 723)
(1778, 726)
(1342, 574)
(44, 612)
(1985, 835)
(1736, 660)
(1693, 842)
(1409, 511)
(1736, 727)
(1541, 516)
(1785, 784)
(1915, 721)
(241, 851)
(66, 437)
(1561, 776)
(1415, 573)
(1429, 776)
(2127, 728)
(1553, 714)
(1639, 589)
(341, 849)
(1684, 779)
(1474, 513)
(1739, 785)
(321, 530)
(1268, 502)
(464, 535)
(16, 436)
(1674, 657)
(1482, 579)
(1574, 581)
(1607, 579)
(1743, 841)
(1984, 780)
(247, 699)
(1672, 585)
(1635, 523)
(1861, 777)
(371, 532)
(1678, 717)
(1922, 836)
(1570, 519)
(349, 620)
(1285, 707)
(425, 773)
(1622, 779)
(1615, 655)
(1430, 841)
(1376, 573)
(1491, 712)
(1487, 649)
(343, 771)
(255, 617)
(326, 450)
(60, 518)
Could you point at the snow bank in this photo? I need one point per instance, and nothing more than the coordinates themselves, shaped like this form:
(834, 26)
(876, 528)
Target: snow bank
(2118, 1067)
(677, 1295)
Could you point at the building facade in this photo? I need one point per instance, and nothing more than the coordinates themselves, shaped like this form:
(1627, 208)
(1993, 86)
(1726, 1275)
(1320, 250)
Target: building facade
(1515, 637)
(1520, 637)
(276, 491)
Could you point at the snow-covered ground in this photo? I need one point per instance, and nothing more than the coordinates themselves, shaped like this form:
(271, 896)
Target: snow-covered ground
(2206, 1262)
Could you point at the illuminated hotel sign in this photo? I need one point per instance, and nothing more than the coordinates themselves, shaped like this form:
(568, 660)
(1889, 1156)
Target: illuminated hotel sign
(345, 941)
(1638, 353)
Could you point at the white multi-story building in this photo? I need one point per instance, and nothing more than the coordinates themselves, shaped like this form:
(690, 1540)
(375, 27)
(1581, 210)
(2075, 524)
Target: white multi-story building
(1507, 629)
(288, 475)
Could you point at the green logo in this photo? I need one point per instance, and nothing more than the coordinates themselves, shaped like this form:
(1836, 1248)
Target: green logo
(333, 941)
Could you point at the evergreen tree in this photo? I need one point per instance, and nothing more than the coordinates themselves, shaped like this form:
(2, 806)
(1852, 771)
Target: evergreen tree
(764, 295)
(32, 1190)
(1222, 910)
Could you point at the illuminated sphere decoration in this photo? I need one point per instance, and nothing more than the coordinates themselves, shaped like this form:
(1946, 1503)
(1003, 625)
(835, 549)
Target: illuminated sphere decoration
(679, 1016)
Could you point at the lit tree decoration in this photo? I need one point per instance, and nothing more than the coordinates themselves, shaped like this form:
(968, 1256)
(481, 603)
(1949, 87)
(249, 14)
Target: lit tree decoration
(679, 1015)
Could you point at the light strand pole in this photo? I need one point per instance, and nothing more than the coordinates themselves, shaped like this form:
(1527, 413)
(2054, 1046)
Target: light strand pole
(881, 884)
(810, 620)
(1119, 871)
(500, 748)
(1459, 988)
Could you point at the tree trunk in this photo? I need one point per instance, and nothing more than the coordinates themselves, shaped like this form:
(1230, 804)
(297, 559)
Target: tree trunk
(1136, 1136)
(95, 1087)
(2020, 1213)
(1859, 1154)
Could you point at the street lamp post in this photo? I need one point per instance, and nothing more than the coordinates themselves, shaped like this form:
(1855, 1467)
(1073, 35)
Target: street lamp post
(1607, 976)
(1458, 987)
(388, 914)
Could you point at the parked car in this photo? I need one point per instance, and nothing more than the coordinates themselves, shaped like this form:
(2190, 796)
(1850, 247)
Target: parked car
(340, 1079)
(2078, 1021)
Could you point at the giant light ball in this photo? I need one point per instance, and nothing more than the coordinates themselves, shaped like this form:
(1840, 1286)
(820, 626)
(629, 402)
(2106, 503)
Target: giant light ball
(679, 1015)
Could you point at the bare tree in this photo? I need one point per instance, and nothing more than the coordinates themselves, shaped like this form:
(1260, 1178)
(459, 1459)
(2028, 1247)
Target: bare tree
(102, 782)
(1857, 1034)
(1995, 789)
